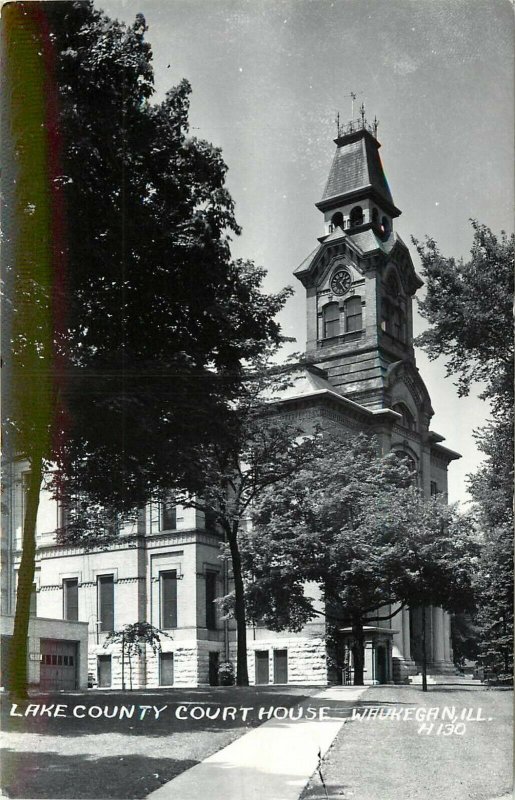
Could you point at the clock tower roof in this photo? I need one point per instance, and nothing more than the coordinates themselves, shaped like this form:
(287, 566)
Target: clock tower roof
(356, 171)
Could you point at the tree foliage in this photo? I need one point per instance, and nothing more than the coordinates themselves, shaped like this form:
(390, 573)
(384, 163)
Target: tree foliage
(468, 306)
(133, 640)
(127, 317)
(260, 453)
(469, 310)
(352, 523)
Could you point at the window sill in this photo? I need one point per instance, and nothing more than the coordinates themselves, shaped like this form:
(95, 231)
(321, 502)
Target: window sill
(342, 337)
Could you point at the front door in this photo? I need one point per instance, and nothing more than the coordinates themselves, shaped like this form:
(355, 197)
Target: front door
(262, 668)
(214, 658)
(381, 664)
(280, 666)
(166, 669)
(104, 671)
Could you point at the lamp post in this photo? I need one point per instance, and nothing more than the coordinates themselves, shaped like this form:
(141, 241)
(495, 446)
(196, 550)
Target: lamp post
(123, 660)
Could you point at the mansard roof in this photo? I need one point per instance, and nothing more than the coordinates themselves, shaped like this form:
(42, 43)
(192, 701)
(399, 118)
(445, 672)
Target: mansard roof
(356, 170)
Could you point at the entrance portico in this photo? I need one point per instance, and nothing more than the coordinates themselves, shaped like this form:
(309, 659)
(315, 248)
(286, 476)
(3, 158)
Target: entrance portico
(378, 666)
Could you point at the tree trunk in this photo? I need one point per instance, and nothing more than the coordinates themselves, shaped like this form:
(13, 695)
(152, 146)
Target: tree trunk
(242, 675)
(424, 651)
(17, 670)
(358, 651)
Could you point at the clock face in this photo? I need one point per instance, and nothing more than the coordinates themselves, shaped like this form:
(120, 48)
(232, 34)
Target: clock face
(341, 281)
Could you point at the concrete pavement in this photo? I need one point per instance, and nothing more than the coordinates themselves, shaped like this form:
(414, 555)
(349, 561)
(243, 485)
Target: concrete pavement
(271, 762)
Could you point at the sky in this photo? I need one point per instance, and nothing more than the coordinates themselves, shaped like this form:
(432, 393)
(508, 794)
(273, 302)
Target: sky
(269, 77)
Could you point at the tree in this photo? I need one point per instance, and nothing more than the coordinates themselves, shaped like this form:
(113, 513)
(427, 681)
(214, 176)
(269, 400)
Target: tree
(468, 306)
(133, 638)
(127, 318)
(491, 490)
(259, 453)
(469, 310)
(353, 523)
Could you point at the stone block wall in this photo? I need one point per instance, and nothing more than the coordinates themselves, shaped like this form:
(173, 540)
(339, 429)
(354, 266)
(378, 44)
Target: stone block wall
(307, 662)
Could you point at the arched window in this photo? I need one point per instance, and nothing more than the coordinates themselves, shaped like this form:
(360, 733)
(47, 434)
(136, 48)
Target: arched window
(385, 225)
(353, 314)
(408, 420)
(375, 216)
(331, 320)
(397, 324)
(393, 311)
(392, 285)
(410, 463)
(356, 216)
(337, 220)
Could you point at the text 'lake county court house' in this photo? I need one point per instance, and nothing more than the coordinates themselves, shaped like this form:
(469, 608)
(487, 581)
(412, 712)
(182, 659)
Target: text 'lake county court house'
(359, 282)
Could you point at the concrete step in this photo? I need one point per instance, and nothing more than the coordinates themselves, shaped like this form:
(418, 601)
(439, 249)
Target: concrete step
(435, 678)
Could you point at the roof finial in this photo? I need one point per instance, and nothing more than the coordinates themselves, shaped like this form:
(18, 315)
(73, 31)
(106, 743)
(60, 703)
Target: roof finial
(337, 120)
(353, 96)
(362, 112)
(376, 123)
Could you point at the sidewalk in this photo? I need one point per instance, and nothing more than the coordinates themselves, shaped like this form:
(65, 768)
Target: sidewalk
(274, 761)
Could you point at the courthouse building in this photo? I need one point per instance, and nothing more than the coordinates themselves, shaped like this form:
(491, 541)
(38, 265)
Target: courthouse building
(360, 375)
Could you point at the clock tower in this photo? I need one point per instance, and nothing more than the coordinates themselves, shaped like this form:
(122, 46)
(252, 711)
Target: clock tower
(360, 279)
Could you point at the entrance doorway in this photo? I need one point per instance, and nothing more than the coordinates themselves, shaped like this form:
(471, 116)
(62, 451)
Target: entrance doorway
(58, 666)
(214, 659)
(262, 667)
(381, 664)
(104, 671)
(280, 666)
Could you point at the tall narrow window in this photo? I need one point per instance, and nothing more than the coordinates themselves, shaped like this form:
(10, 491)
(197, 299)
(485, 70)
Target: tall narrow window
(105, 595)
(397, 324)
(353, 316)
(25, 480)
(33, 609)
(71, 599)
(331, 320)
(356, 216)
(337, 220)
(210, 601)
(168, 515)
(168, 599)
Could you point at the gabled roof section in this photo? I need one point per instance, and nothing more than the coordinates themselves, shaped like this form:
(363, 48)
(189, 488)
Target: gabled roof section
(356, 169)
(305, 381)
(303, 271)
(304, 267)
(368, 241)
(310, 382)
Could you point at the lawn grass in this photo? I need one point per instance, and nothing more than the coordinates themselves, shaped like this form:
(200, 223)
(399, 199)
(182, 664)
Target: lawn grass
(388, 759)
(67, 757)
